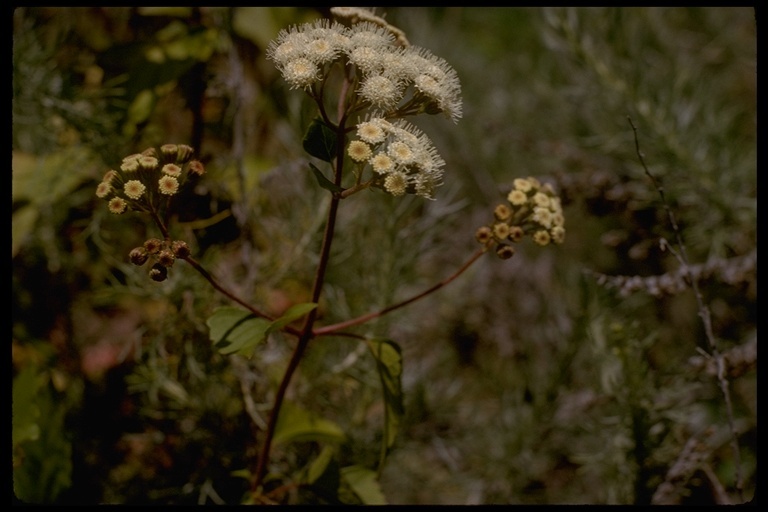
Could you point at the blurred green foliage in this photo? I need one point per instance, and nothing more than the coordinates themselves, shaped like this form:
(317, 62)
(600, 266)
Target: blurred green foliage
(524, 382)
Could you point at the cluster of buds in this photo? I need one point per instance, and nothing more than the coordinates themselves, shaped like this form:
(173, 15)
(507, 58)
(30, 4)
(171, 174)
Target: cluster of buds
(402, 158)
(163, 254)
(145, 181)
(534, 209)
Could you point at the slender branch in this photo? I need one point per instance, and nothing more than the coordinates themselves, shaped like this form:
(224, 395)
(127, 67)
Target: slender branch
(234, 298)
(333, 329)
(704, 314)
(159, 222)
(356, 188)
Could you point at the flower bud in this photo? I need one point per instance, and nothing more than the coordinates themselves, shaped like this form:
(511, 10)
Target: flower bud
(502, 212)
(196, 167)
(180, 249)
(138, 256)
(166, 258)
(484, 234)
(516, 233)
(184, 153)
(169, 151)
(158, 273)
(505, 251)
(153, 245)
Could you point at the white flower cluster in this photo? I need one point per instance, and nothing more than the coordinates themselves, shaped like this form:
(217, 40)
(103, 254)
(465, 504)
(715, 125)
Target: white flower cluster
(391, 77)
(402, 158)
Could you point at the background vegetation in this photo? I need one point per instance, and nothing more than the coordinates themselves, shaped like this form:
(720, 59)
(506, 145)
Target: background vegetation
(531, 380)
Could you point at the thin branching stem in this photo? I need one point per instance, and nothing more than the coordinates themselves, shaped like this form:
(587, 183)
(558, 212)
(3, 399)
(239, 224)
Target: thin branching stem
(335, 328)
(231, 296)
(704, 314)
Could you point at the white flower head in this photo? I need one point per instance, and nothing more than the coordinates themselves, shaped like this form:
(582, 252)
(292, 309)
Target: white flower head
(359, 151)
(396, 183)
(382, 164)
(381, 91)
(410, 162)
(288, 46)
(401, 152)
(368, 59)
(371, 35)
(134, 189)
(371, 131)
(437, 81)
(301, 73)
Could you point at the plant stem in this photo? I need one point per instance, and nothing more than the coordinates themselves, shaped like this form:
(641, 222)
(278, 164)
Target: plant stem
(304, 338)
(704, 314)
(159, 222)
(333, 329)
(307, 332)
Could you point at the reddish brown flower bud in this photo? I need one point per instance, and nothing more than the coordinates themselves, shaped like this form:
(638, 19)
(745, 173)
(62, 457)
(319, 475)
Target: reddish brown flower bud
(504, 251)
(484, 234)
(153, 245)
(180, 249)
(158, 273)
(196, 167)
(166, 258)
(138, 256)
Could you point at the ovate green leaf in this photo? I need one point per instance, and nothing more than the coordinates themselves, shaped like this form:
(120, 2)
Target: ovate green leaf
(323, 181)
(293, 313)
(322, 465)
(363, 482)
(320, 141)
(236, 331)
(389, 363)
(297, 424)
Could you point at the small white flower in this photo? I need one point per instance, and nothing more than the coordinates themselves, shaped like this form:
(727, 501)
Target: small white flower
(381, 91)
(134, 189)
(301, 73)
(396, 183)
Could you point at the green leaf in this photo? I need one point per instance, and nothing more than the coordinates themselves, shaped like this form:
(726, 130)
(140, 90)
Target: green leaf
(23, 223)
(236, 331)
(320, 141)
(297, 424)
(42, 452)
(141, 107)
(24, 409)
(61, 172)
(325, 182)
(389, 363)
(241, 473)
(293, 313)
(324, 471)
(364, 484)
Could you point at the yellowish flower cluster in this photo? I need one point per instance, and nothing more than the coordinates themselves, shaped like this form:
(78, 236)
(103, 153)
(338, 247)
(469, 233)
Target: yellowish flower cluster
(402, 158)
(534, 209)
(144, 179)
